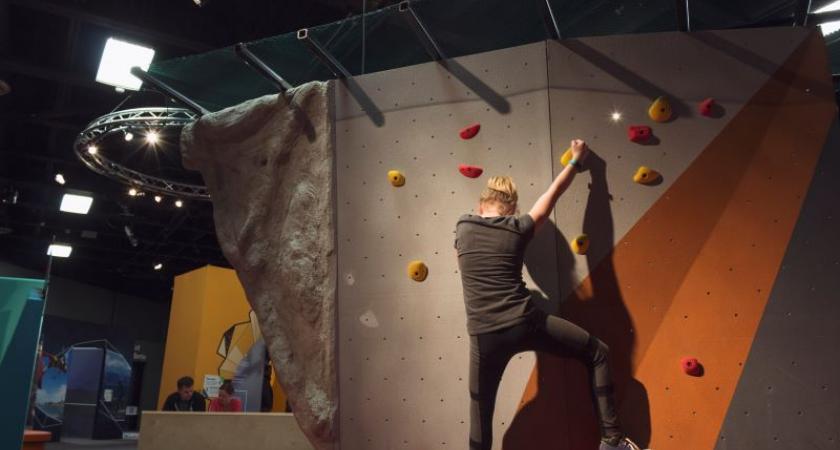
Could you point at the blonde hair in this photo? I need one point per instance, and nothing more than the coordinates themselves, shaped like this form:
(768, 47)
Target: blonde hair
(502, 191)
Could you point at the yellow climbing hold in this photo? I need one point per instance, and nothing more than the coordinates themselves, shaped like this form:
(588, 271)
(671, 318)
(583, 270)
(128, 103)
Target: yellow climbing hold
(396, 178)
(660, 110)
(567, 157)
(417, 271)
(580, 244)
(646, 175)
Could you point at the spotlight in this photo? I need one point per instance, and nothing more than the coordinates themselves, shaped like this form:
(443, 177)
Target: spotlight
(615, 116)
(179, 203)
(92, 149)
(9, 195)
(152, 137)
(133, 192)
(59, 178)
(118, 57)
(76, 203)
(60, 250)
(130, 235)
(128, 136)
(158, 266)
(158, 199)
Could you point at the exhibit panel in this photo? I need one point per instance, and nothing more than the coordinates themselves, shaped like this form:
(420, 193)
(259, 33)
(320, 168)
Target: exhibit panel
(21, 313)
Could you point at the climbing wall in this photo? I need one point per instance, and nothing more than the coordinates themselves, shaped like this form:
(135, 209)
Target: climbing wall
(403, 347)
(682, 267)
(787, 394)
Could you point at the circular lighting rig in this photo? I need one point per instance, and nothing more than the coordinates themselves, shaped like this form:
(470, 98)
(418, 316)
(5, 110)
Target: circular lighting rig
(126, 122)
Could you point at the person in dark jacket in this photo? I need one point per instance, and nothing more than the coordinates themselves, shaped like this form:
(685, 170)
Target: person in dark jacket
(502, 321)
(185, 399)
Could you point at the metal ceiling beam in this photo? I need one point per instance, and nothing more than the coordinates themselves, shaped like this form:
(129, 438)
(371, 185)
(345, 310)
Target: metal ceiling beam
(83, 246)
(551, 19)
(27, 154)
(104, 217)
(74, 14)
(820, 18)
(802, 12)
(38, 120)
(58, 76)
(60, 230)
(816, 5)
(683, 18)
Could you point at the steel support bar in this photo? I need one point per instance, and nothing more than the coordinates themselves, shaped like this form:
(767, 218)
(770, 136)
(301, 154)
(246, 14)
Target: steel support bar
(550, 19)
(683, 22)
(802, 14)
(262, 68)
(421, 31)
(322, 54)
(168, 90)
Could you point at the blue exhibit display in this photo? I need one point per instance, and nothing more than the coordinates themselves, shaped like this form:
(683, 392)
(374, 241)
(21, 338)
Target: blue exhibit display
(98, 381)
(21, 311)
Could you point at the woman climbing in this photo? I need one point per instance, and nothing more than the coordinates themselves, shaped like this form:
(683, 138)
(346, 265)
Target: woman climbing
(501, 319)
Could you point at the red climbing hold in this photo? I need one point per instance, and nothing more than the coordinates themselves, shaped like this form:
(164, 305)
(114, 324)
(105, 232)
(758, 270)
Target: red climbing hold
(639, 133)
(470, 131)
(691, 366)
(470, 171)
(706, 107)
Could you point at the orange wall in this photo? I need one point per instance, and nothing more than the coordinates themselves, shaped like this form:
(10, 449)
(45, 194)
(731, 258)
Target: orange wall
(224, 305)
(205, 303)
(184, 328)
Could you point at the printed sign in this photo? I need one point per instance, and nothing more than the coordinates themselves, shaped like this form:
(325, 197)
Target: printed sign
(211, 385)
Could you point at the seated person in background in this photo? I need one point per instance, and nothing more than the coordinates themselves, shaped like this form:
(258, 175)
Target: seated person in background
(226, 402)
(185, 399)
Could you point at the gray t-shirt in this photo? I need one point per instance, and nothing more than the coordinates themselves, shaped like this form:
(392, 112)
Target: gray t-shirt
(490, 255)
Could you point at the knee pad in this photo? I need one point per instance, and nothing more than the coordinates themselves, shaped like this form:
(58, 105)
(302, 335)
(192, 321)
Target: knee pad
(598, 350)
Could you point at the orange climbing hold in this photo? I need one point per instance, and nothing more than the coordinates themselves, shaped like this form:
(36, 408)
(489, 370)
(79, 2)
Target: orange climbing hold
(470, 171)
(691, 366)
(580, 244)
(566, 157)
(417, 271)
(396, 178)
(470, 131)
(646, 175)
(660, 110)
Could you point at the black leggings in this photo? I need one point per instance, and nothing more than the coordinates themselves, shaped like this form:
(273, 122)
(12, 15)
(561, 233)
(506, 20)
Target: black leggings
(490, 353)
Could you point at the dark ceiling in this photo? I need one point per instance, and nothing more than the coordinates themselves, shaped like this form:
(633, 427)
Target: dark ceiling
(49, 54)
